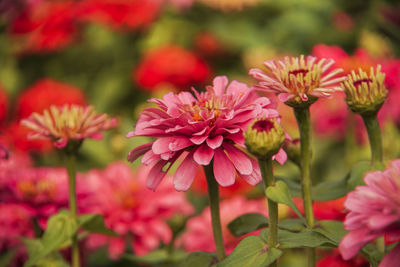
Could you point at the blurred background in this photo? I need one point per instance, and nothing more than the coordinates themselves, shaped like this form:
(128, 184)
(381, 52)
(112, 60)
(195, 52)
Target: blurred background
(115, 54)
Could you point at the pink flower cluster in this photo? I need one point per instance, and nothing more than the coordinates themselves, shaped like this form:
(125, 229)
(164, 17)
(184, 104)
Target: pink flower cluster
(137, 214)
(374, 212)
(207, 125)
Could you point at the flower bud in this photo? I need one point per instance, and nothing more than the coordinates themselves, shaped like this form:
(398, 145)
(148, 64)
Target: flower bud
(264, 137)
(365, 93)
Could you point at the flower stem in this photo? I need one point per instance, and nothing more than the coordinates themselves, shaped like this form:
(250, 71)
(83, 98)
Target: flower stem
(375, 142)
(213, 195)
(269, 180)
(375, 139)
(303, 121)
(71, 168)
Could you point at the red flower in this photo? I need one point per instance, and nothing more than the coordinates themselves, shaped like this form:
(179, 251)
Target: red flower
(46, 93)
(172, 65)
(336, 260)
(47, 26)
(326, 210)
(120, 13)
(3, 104)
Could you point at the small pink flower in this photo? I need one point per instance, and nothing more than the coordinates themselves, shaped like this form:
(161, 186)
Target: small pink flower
(374, 211)
(298, 78)
(207, 126)
(69, 122)
(137, 215)
(198, 235)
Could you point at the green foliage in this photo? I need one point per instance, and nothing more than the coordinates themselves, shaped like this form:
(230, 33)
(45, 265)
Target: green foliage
(334, 230)
(94, 223)
(7, 257)
(158, 257)
(252, 251)
(358, 172)
(294, 225)
(199, 259)
(247, 223)
(280, 194)
(330, 190)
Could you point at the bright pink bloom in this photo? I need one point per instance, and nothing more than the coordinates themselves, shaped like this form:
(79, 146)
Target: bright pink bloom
(374, 211)
(207, 126)
(335, 260)
(198, 235)
(66, 123)
(299, 78)
(136, 214)
(16, 222)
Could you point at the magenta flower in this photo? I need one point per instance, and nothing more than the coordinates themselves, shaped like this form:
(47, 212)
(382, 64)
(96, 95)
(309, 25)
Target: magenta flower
(198, 235)
(207, 126)
(374, 211)
(69, 122)
(137, 215)
(297, 79)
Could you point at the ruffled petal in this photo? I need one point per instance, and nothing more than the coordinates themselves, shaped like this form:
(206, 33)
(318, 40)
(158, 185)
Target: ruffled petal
(185, 173)
(203, 155)
(224, 171)
(215, 142)
(138, 151)
(239, 159)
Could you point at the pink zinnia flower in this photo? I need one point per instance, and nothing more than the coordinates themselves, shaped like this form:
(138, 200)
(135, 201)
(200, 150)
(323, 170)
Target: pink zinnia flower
(137, 215)
(198, 235)
(297, 79)
(374, 211)
(207, 126)
(69, 122)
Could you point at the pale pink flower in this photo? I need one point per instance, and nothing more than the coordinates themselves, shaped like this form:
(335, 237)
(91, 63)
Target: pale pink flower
(136, 214)
(207, 125)
(298, 78)
(374, 212)
(68, 122)
(198, 234)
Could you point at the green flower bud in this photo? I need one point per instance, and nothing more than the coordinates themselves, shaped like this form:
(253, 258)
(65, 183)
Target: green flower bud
(264, 137)
(365, 93)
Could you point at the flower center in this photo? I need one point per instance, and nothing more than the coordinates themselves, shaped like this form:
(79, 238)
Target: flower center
(359, 82)
(263, 125)
(295, 72)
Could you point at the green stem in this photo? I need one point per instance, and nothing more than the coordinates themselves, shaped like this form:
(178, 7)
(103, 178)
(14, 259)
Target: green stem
(71, 168)
(213, 195)
(303, 121)
(375, 139)
(375, 142)
(269, 180)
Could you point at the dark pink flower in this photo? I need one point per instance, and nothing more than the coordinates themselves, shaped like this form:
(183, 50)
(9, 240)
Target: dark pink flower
(207, 126)
(298, 78)
(68, 122)
(198, 235)
(374, 212)
(137, 215)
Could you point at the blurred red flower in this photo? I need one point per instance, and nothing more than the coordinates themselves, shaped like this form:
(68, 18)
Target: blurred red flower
(171, 64)
(3, 104)
(45, 93)
(325, 210)
(336, 260)
(120, 13)
(46, 26)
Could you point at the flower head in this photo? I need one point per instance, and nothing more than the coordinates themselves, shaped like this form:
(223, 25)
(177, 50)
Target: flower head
(299, 81)
(374, 211)
(130, 210)
(365, 93)
(66, 123)
(207, 125)
(264, 137)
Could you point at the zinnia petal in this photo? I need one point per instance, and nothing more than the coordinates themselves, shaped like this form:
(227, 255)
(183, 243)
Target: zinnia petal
(239, 159)
(203, 155)
(185, 173)
(224, 171)
(138, 151)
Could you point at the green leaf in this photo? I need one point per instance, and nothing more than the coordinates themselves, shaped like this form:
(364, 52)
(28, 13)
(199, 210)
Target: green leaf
(330, 190)
(94, 223)
(198, 259)
(293, 184)
(247, 223)
(7, 257)
(293, 225)
(252, 251)
(280, 193)
(60, 228)
(357, 174)
(334, 230)
(158, 256)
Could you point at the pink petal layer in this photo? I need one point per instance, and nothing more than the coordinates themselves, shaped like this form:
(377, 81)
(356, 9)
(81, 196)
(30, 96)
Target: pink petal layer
(203, 155)
(239, 159)
(224, 171)
(138, 151)
(156, 174)
(215, 142)
(185, 173)
(391, 259)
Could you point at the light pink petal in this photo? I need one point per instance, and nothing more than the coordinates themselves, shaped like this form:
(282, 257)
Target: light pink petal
(391, 259)
(280, 157)
(116, 247)
(197, 140)
(239, 159)
(161, 145)
(255, 177)
(185, 173)
(284, 97)
(203, 155)
(180, 143)
(138, 151)
(224, 171)
(219, 85)
(215, 142)
(379, 221)
(353, 242)
(61, 143)
(149, 158)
